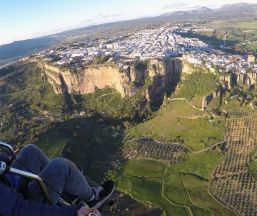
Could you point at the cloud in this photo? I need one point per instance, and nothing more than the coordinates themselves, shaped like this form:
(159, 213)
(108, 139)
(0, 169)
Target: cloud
(109, 15)
(175, 5)
(179, 6)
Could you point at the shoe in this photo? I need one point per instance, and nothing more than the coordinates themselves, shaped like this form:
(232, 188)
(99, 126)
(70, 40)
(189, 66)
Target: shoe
(102, 194)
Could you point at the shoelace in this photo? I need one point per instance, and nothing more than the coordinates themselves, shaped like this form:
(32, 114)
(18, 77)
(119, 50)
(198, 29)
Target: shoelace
(97, 191)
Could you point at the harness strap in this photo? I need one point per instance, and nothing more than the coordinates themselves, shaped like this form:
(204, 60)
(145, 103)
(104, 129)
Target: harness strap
(5, 180)
(22, 185)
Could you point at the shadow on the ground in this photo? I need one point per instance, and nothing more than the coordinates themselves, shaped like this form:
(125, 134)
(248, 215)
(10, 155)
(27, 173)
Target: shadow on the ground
(93, 143)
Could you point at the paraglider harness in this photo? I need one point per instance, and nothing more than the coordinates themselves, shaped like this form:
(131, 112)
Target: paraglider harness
(26, 177)
(65, 199)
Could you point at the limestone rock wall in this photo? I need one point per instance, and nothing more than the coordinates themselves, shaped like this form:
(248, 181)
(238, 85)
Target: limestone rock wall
(247, 78)
(87, 80)
(165, 76)
(127, 80)
(187, 68)
(232, 79)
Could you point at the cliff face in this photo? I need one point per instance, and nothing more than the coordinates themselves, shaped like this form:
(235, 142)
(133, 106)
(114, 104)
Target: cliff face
(247, 79)
(127, 80)
(164, 77)
(86, 81)
(187, 68)
(232, 79)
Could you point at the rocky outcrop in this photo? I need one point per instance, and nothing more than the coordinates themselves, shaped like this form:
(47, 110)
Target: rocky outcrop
(87, 80)
(232, 79)
(187, 68)
(207, 99)
(164, 76)
(229, 79)
(248, 79)
(161, 77)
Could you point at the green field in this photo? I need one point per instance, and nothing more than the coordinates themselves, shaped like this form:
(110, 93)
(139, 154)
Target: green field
(250, 24)
(180, 120)
(241, 34)
(173, 188)
(198, 191)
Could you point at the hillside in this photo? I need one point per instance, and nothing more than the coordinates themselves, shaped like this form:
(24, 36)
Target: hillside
(23, 48)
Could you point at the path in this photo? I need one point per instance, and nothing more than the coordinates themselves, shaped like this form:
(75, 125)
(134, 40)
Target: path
(184, 99)
(231, 182)
(167, 199)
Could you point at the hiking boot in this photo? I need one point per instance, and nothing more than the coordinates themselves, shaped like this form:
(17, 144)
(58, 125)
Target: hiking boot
(102, 194)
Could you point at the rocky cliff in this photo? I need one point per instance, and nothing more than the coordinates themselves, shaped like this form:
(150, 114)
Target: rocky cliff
(232, 79)
(85, 81)
(161, 77)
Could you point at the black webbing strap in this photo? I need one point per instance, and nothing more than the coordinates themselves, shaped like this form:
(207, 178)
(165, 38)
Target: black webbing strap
(5, 180)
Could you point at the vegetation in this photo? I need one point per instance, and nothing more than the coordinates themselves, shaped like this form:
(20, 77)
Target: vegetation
(253, 162)
(240, 35)
(181, 121)
(26, 82)
(101, 60)
(163, 185)
(27, 103)
(93, 143)
(198, 191)
(141, 65)
(110, 102)
(197, 84)
(178, 188)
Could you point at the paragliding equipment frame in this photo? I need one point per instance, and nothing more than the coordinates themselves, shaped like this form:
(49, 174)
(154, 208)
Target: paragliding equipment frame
(4, 168)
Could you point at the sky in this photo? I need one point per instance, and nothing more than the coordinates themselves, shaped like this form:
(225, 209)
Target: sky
(24, 19)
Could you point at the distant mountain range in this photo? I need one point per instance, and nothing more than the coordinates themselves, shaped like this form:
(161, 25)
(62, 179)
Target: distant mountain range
(231, 11)
(25, 47)
(240, 10)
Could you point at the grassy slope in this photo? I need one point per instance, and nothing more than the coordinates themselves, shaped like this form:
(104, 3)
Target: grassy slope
(142, 179)
(192, 164)
(197, 85)
(24, 82)
(110, 101)
(24, 94)
(176, 121)
(162, 185)
(198, 191)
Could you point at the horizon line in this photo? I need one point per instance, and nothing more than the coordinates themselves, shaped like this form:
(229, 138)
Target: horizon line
(55, 32)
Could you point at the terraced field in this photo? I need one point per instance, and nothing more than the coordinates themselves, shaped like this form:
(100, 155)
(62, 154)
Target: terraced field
(170, 165)
(231, 182)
